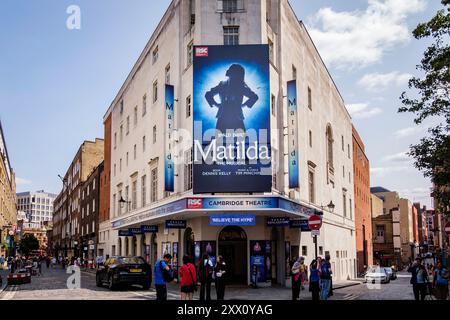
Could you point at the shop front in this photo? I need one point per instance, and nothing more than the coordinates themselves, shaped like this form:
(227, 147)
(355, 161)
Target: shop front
(255, 236)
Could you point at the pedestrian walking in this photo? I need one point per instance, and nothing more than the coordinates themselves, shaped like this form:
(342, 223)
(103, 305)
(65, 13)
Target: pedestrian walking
(39, 266)
(53, 262)
(163, 275)
(296, 279)
(325, 278)
(314, 279)
(47, 262)
(220, 271)
(440, 282)
(188, 276)
(414, 269)
(2, 262)
(206, 269)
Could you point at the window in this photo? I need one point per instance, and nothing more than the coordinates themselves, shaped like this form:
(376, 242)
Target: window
(188, 106)
(320, 251)
(348, 151)
(190, 53)
(155, 91)
(135, 152)
(230, 5)
(93, 205)
(154, 134)
(135, 116)
(93, 226)
(127, 198)
(87, 210)
(121, 133)
(168, 74)
(128, 125)
(143, 144)
(127, 159)
(343, 147)
(114, 205)
(311, 186)
(93, 185)
(294, 72)
(134, 195)
(144, 190)
(120, 165)
(351, 209)
(115, 169)
(115, 140)
(343, 171)
(154, 177)
(231, 36)
(344, 203)
(309, 98)
(144, 105)
(192, 11)
(121, 107)
(310, 139)
(271, 52)
(272, 104)
(330, 146)
(188, 169)
(304, 250)
(155, 55)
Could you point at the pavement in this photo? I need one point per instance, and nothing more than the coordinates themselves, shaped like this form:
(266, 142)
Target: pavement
(4, 282)
(56, 284)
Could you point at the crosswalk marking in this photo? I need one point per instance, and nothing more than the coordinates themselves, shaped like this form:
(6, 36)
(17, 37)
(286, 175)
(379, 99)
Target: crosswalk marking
(9, 293)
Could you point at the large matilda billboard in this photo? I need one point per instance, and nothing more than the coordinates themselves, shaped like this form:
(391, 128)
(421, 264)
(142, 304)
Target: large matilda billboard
(232, 119)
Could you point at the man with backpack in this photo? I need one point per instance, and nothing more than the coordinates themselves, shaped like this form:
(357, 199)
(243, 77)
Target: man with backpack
(206, 269)
(163, 275)
(325, 278)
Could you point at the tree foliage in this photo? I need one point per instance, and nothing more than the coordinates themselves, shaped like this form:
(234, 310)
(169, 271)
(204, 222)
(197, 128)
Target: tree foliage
(431, 101)
(28, 243)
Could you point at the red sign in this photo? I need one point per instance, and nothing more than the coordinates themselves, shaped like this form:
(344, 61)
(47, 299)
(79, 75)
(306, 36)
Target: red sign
(195, 203)
(201, 51)
(315, 222)
(447, 228)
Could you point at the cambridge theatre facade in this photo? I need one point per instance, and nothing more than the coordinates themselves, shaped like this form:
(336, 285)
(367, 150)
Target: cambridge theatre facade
(179, 184)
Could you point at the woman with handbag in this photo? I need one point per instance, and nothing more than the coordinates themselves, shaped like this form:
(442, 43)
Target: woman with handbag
(296, 279)
(188, 277)
(219, 275)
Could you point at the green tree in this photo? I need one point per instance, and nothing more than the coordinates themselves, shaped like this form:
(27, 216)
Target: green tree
(28, 243)
(431, 95)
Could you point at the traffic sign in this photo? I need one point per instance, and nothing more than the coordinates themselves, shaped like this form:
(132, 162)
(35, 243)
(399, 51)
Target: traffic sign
(315, 222)
(447, 228)
(315, 233)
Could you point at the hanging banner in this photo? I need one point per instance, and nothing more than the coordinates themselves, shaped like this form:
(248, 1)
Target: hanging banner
(293, 134)
(232, 146)
(169, 171)
(149, 229)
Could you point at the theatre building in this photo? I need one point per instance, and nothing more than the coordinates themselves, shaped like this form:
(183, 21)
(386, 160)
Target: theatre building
(227, 135)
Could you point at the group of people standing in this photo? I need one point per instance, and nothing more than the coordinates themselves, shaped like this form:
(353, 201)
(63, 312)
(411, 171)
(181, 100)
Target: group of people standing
(319, 280)
(422, 285)
(190, 275)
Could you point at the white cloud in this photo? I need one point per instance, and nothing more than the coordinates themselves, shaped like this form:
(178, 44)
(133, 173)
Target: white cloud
(419, 194)
(22, 182)
(383, 171)
(362, 111)
(380, 81)
(408, 132)
(361, 38)
(398, 157)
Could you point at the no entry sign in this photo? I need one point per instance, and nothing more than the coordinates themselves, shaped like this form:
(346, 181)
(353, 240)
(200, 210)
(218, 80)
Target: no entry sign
(315, 222)
(447, 228)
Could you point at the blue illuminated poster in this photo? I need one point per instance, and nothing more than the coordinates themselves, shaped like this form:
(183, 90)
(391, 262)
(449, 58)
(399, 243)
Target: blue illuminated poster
(293, 134)
(169, 172)
(232, 150)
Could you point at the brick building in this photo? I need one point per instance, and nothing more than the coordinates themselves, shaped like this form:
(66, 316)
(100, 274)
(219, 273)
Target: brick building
(363, 215)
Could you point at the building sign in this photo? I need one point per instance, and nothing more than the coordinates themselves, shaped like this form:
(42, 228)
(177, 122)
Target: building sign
(169, 171)
(125, 233)
(232, 151)
(303, 225)
(294, 207)
(135, 231)
(149, 229)
(175, 224)
(293, 134)
(277, 221)
(163, 210)
(232, 220)
(234, 203)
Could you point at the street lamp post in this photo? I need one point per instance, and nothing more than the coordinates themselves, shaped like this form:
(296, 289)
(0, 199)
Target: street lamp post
(330, 207)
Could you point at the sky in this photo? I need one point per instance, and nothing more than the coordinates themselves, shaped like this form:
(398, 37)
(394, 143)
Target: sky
(56, 84)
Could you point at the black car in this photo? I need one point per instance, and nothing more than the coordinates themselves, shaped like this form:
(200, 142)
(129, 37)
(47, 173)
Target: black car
(118, 271)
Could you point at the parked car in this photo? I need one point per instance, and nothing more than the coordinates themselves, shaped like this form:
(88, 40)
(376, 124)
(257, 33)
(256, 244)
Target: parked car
(391, 272)
(118, 271)
(23, 276)
(377, 274)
